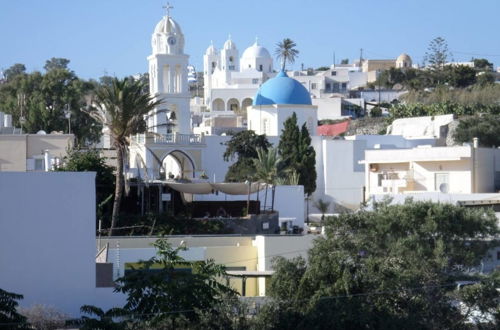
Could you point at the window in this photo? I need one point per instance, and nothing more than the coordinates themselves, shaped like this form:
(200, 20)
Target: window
(39, 164)
(498, 255)
(334, 73)
(260, 67)
(231, 67)
(230, 58)
(380, 177)
(441, 182)
(255, 81)
(344, 85)
(313, 86)
(328, 86)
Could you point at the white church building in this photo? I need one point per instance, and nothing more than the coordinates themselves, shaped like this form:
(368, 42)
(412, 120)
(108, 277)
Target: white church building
(169, 149)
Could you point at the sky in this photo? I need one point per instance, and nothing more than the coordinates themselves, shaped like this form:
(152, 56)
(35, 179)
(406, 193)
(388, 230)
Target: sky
(113, 37)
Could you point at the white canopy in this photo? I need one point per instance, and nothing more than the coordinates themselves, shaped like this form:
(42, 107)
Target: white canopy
(233, 188)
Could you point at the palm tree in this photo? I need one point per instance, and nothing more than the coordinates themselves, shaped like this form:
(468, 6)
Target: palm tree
(266, 167)
(323, 207)
(285, 50)
(121, 106)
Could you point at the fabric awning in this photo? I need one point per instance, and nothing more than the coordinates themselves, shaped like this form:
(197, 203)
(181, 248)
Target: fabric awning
(233, 188)
(192, 188)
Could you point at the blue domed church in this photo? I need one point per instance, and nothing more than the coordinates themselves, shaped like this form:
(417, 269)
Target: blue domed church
(276, 100)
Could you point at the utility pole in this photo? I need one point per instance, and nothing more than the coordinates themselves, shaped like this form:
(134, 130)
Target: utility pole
(361, 57)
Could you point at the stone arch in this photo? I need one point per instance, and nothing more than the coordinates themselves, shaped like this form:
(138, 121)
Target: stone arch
(233, 105)
(177, 163)
(246, 103)
(218, 105)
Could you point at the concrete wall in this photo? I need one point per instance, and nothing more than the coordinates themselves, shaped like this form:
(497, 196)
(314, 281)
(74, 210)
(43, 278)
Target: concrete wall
(47, 240)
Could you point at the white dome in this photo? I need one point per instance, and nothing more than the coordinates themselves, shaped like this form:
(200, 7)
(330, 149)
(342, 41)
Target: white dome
(229, 45)
(404, 57)
(168, 26)
(211, 50)
(255, 51)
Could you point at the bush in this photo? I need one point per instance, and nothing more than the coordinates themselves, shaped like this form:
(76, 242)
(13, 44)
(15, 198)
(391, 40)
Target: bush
(44, 317)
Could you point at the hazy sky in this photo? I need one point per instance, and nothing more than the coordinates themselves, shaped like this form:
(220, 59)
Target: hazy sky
(113, 36)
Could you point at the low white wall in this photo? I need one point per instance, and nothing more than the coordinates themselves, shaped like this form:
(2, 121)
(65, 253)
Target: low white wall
(47, 240)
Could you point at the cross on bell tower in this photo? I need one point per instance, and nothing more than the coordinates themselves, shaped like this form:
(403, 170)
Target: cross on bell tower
(167, 8)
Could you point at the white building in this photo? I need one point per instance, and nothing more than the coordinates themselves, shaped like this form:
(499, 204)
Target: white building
(230, 81)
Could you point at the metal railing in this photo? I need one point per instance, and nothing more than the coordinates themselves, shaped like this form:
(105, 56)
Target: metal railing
(170, 138)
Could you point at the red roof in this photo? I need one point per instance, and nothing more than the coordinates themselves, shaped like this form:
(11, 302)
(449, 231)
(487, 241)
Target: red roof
(333, 129)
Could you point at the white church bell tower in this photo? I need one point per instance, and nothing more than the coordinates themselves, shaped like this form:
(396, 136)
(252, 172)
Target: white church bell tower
(168, 79)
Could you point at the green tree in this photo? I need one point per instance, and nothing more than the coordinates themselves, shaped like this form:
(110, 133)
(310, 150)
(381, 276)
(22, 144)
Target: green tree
(91, 161)
(266, 166)
(121, 107)
(14, 70)
(165, 287)
(297, 154)
(112, 319)
(397, 264)
(323, 207)
(482, 64)
(286, 52)
(437, 53)
(41, 100)
(344, 61)
(485, 128)
(243, 146)
(9, 317)
(56, 63)
(460, 76)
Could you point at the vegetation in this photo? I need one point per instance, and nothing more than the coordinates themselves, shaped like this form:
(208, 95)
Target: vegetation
(38, 101)
(398, 264)
(91, 161)
(10, 318)
(164, 292)
(42, 317)
(285, 50)
(485, 128)
(323, 207)
(297, 154)
(266, 166)
(243, 146)
(121, 107)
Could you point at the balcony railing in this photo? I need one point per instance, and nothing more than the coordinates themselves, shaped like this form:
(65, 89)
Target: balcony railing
(170, 138)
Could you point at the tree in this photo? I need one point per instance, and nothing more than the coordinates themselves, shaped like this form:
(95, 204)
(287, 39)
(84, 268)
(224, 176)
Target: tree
(437, 53)
(91, 160)
(266, 166)
(103, 320)
(297, 154)
(482, 64)
(460, 76)
(397, 264)
(243, 146)
(307, 164)
(165, 287)
(14, 70)
(323, 207)
(42, 100)
(121, 107)
(285, 50)
(9, 317)
(56, 63)
(485, 128)
(344, 61)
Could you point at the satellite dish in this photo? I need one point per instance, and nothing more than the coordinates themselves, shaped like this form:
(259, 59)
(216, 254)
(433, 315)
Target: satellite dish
(443, 187)
(41, 132)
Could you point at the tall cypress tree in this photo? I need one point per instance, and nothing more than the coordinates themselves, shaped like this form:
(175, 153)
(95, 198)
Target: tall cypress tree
(307, 169)
(289, 144)
(297, 154)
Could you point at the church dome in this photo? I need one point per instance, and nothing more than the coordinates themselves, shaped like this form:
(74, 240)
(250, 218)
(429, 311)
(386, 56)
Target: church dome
(282, 90)
(404, 58)
(211, 50)
(168, 26)
(229, 45)
(255, 51)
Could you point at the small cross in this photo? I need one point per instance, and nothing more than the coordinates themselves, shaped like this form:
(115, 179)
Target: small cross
(168, 7)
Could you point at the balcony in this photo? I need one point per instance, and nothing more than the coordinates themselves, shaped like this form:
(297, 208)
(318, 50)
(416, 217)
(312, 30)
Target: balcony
(170, 138)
